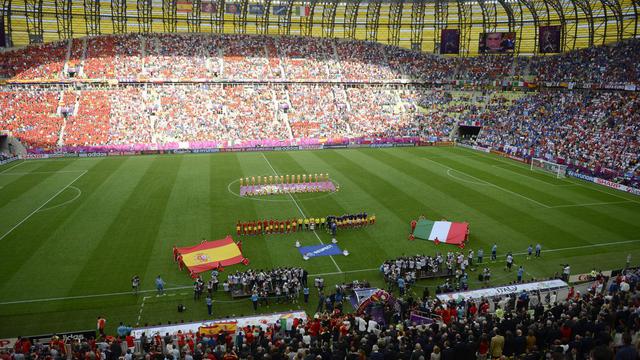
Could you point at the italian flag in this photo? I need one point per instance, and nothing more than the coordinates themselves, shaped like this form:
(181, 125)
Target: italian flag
(443, 231)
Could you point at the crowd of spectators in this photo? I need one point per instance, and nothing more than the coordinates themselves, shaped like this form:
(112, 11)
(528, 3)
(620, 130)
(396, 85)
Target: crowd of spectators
(602, 64)
(599, 324)
(249, 57)
(594, 131)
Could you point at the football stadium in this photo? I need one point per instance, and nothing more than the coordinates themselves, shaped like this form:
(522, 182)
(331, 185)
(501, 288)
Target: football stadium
(284, 179)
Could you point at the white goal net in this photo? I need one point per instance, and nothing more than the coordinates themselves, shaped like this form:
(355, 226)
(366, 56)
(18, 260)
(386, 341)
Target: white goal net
(560, 171)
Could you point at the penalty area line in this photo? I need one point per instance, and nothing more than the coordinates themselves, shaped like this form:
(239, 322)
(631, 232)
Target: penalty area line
(43, 205)
(488, 183)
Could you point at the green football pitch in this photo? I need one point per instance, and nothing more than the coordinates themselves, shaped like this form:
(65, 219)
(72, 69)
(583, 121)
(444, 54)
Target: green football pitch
(74, 231)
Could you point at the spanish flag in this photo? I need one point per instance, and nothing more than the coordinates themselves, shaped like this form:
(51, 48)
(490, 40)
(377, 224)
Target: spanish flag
(209, 254)
(229, 327)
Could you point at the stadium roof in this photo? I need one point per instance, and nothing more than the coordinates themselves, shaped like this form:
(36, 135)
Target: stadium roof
(410, 24)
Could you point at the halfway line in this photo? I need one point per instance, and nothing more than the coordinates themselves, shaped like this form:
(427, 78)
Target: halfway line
(301, 212)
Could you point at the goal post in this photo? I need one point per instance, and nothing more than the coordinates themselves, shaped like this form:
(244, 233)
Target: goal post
(560, 171)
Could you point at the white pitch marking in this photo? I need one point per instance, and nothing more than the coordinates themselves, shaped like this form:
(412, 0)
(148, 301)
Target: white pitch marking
(502, 166)
(14, 166)
(463, 180)
(490, 183)
(577, 182)
(322, 274)
(41, 206)
(301, 212)
(592, 204)
(43, 172)
(79, 193)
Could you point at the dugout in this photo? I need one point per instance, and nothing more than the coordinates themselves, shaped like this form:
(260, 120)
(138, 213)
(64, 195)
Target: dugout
(469, 130)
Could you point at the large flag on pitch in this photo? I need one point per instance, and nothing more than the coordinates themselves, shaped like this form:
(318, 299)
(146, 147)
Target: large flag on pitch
(208, 254)
(445, 231)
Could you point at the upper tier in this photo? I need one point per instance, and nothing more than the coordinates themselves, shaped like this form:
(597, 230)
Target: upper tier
(189, 57)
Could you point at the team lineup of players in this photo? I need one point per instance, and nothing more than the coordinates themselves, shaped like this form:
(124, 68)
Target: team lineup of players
(330, 223)
(284, 179)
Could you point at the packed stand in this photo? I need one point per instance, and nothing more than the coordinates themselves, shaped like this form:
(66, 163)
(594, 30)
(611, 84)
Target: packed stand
(594, 131)
(615, 63)
(41, 62)
(364, 61)
(32, 116)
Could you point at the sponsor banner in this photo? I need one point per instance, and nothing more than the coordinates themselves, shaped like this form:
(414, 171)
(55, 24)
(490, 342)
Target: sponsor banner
(286, 148)
(8, 343)
(356, 145)
(617, 186)
(263, 321)
(181, 151)
(205, 151)
(150, 152)
(79, 335)
(311, 147)
(603, 182)
(385, 145)
(62, 155)
(36, 156)
(405, 145)
(504, 290)
(580, 176)
(443, 143)
(97, 154)
(127, 153)
(425, 143)
(335, 146)
(474, 147)
(114, 154)
(320, 250)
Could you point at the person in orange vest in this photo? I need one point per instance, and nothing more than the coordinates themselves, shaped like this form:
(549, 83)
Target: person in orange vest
(175, 253)
(413, 225)
(100, 325)
(238, 228)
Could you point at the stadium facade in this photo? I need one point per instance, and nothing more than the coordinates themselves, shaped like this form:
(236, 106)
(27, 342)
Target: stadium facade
(532, 26)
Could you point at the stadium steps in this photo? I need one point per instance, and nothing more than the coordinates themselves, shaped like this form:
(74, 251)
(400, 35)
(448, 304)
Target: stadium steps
(67, 58)
(83, 58)
(60, 141)
(336, 58)
(143, 52)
